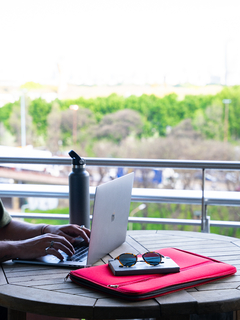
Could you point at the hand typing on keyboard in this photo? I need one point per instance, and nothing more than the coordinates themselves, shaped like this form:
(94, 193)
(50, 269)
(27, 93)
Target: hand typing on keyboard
(79, 255)
(81, 251)
(79, 242)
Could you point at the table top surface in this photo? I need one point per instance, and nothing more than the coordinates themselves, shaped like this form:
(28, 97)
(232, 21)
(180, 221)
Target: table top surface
(43, 290)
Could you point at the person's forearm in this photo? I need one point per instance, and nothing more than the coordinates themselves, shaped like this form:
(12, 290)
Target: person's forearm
(19, 230)
(7, 250)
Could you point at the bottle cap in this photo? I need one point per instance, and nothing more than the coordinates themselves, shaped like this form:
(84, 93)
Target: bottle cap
(76, 159)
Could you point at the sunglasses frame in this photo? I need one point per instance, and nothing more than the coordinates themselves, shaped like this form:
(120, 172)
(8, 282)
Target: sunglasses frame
(136, 258)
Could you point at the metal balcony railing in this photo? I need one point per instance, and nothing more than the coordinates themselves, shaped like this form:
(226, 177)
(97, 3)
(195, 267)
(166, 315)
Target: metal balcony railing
(201, 197)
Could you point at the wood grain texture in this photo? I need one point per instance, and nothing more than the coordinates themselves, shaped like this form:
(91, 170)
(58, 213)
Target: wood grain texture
(3, 279)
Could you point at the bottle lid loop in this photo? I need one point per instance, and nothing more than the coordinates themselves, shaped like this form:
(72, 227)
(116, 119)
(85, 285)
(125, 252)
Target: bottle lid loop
(76, 159)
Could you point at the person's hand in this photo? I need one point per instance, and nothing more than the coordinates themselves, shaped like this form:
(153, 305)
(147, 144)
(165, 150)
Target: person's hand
(41, 246)
(69, 231)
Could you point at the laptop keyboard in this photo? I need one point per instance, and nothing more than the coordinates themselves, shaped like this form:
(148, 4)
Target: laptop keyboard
(81, 251)
(79, 255)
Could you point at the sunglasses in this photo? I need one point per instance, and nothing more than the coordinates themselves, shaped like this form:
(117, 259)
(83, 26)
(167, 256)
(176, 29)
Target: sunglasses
(130, 259)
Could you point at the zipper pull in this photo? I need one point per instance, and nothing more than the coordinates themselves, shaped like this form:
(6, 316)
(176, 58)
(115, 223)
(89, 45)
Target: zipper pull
(113, 285)
(67, 276)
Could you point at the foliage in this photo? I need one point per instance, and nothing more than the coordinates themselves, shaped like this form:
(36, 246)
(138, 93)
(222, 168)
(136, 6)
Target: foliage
(49, 221)
(5, 113)
(209, 122)
(110, 104)
(190, 104)
(114, 118)
(39, 110)
(183, 211)
(232, 93)
(13, 121)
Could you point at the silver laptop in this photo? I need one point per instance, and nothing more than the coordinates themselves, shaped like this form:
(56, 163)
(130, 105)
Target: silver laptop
(109, 225)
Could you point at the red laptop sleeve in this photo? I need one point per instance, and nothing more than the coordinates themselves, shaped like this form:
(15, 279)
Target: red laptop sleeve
(194, 270)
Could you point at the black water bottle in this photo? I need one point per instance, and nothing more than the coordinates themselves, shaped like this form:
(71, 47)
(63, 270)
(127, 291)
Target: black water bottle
(79, 197)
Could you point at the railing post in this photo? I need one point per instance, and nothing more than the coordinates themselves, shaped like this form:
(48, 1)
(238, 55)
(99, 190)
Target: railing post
(204, 224)
(207, 225)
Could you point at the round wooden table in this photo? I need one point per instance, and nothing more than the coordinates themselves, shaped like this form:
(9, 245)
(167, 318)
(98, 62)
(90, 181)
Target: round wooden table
(42, 290)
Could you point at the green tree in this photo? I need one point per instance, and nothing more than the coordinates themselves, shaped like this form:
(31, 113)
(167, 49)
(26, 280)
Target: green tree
(105, 105)
(232, 93)
(205, 112)
(39, 110)
(161, 113)
(5, 113)
(191, 104)
(15, 126)
(209, 122)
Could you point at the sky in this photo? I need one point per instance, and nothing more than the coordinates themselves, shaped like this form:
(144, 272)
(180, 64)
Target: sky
(97, 42)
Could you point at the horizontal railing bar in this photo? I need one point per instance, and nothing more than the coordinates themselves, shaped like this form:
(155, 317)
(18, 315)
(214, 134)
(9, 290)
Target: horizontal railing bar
(186, 222)
(138, 194)
(118, 162)
(213, 223)
(35, 190)
(193, 222)
(33, 215)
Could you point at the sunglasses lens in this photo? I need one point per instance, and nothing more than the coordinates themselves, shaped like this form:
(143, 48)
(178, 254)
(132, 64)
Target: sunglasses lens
(127, 260)
(152, 258)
